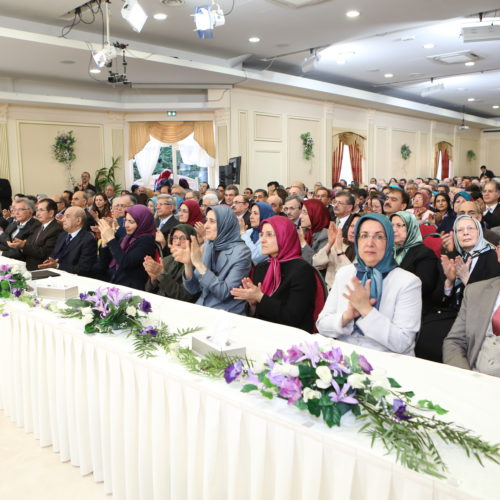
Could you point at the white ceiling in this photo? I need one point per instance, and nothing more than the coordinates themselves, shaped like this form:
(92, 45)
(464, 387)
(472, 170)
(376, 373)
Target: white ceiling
(387, 37)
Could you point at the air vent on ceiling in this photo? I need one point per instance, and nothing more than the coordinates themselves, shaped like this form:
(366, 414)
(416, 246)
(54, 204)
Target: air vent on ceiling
(172, 3)
(455, 57)
(484, 33)
(297, 4)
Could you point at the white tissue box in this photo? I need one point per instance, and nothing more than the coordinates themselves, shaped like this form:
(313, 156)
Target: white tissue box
(57, 292)
(202, 345)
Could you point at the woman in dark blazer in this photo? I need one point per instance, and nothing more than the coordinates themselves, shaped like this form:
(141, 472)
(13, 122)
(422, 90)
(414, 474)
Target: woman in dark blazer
(474, 260)
(122, 259)
(413, 256)
(284, 287)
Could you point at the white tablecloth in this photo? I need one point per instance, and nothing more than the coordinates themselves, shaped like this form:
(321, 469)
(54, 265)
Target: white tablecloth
(150, 430)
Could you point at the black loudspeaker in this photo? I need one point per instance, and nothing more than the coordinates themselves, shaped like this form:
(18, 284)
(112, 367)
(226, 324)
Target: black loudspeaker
(230, 174)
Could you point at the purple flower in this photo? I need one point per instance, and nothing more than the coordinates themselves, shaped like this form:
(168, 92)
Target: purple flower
(291, 389)
(17, 292)
(277, 378)
(399, 409)
(278, 355)
(7, 277)
(342, 396)
(251, 378)
(337, 364)
(4, 315)
(311, 352)
(145, 306)
(4, 268)
(233, 371)
(293, 354)
(84, 296)
(149, 330)
(365, 365)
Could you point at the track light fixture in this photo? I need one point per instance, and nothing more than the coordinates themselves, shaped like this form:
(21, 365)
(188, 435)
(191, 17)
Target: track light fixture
(310, 61)
(206, 18)
(105, 56)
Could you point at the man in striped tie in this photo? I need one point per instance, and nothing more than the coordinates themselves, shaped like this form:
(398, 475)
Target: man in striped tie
(473, 342)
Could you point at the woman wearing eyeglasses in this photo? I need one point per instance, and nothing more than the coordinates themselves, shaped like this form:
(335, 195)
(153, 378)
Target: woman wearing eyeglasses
(165, 278)
(190, 213)
(374, 303)
(413, 256)
(474, 260)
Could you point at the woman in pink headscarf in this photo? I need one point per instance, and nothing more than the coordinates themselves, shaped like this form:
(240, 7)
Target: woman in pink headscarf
(286, 285)
(421, 210)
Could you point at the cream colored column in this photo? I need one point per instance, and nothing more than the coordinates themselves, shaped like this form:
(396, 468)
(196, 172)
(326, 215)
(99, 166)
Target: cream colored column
(4, 143)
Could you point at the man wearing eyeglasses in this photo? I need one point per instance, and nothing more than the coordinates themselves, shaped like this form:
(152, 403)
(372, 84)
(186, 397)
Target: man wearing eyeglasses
(165, 220)
(240, 207)
(21, 228)
(491, 194)
(38, 246)
(343, 206)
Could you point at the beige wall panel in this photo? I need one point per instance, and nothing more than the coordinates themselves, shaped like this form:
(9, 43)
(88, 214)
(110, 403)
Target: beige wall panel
(266, 166)
(267, 127)
(398, 166)
(41, 173)
(243, 145)
(381, 149)
(4, 152)
(492, 152)
(118, 150)
(299, 168)
(463, 166)
(425, 159)
(222, 145)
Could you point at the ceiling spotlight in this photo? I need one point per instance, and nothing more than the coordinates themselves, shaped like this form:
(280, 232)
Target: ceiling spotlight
(388, 75)
(105, 56)
(134, 14)
(95, 71)
(352, 13)
(463, 126)
(254, 39)
(496, 106)
(471, 99)
(470, 63)
(310, 61)
(429, 46)
(160, 16)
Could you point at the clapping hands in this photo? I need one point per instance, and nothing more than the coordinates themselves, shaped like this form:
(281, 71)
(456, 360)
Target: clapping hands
(359, 301)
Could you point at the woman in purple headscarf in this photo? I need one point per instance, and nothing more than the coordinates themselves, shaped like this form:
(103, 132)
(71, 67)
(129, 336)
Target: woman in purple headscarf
(122, 259)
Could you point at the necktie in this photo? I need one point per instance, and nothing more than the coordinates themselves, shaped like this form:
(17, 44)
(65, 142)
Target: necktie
(495, 322)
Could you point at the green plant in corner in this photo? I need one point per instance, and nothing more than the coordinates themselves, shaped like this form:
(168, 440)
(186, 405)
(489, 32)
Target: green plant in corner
(63, 150)
(307, 143)
(405, 151)
(471, 155)
(105, 176)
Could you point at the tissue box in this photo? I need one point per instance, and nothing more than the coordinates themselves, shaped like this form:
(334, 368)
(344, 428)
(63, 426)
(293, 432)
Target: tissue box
(57, 292)
(202, 345)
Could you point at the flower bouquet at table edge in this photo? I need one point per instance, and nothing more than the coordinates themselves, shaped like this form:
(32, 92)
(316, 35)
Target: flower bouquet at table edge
(329, 384)
(12, 281)
(108, 309)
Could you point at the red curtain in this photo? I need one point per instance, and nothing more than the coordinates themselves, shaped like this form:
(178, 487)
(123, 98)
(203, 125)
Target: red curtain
(337, 163)
(445, 165)
(356, 162)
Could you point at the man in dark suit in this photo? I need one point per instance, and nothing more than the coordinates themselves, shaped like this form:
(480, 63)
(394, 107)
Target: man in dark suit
(85, 184)
(21, 228)
(80, 199)
(474, 340)
(5, 194)
(241, 208)
(39, 245)
(76, 249)
(491, 194)
(165, 220)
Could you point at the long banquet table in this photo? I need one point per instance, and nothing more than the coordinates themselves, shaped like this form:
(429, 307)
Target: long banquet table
(149, 430)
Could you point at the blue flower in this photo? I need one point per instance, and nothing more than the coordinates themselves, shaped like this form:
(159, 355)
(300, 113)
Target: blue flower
(84, 296)
(145, 306)
(399, 409)
(17, 292)
(149, 330)
(233, 371)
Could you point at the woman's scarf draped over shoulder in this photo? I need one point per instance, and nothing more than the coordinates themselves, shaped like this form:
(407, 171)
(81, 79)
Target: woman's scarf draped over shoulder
(145, 225)
(228, 234)
(413, 235)
(385, 266)
(319, 217)
(195, 214)
(481, 246)
(288, 249)
(265, 212)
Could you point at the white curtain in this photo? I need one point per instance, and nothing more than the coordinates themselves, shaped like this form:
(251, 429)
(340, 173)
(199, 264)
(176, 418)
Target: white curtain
(193, 154)
(147, 159)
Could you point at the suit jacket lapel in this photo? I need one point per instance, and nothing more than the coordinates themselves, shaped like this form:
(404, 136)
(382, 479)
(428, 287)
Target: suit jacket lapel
(485, 306)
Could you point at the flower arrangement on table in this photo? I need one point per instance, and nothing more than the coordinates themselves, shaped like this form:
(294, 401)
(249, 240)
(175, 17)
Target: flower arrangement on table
(12, 282)
(63, 150)
(329, 384)
(106, 310)
(307, 143)
(405, 151)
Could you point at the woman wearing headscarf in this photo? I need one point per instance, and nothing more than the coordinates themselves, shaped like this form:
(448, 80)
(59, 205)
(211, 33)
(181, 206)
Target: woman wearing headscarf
(474, 260)
(284, 287)
(259, 211)
(339, 251)
(421, 204)
(190, 213)
(121, 259)
(445, 216)
(413, 256)
(165, 278)
(374, 303)
(314, 222)
(152, 204)
(459, 198)
(225, 261)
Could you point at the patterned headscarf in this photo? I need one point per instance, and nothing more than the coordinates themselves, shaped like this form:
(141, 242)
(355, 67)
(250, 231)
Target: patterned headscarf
(413, 235)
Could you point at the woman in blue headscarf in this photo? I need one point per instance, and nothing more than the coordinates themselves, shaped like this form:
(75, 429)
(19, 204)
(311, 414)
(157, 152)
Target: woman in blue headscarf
(373, 303)
(259, 212)
(225, 261)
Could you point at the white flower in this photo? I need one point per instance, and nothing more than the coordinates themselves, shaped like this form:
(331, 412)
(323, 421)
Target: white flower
(324, 373)
(378, 379)
(309, 394)
(259, 366)
(285, 369)
(27, 275)
(15, 270)
(356, 380)
(322, 385)
(88, 318)
(131, 311)
(87, 311)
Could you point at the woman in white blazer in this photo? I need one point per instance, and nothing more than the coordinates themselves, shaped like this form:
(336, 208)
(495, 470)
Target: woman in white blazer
(373, 303)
